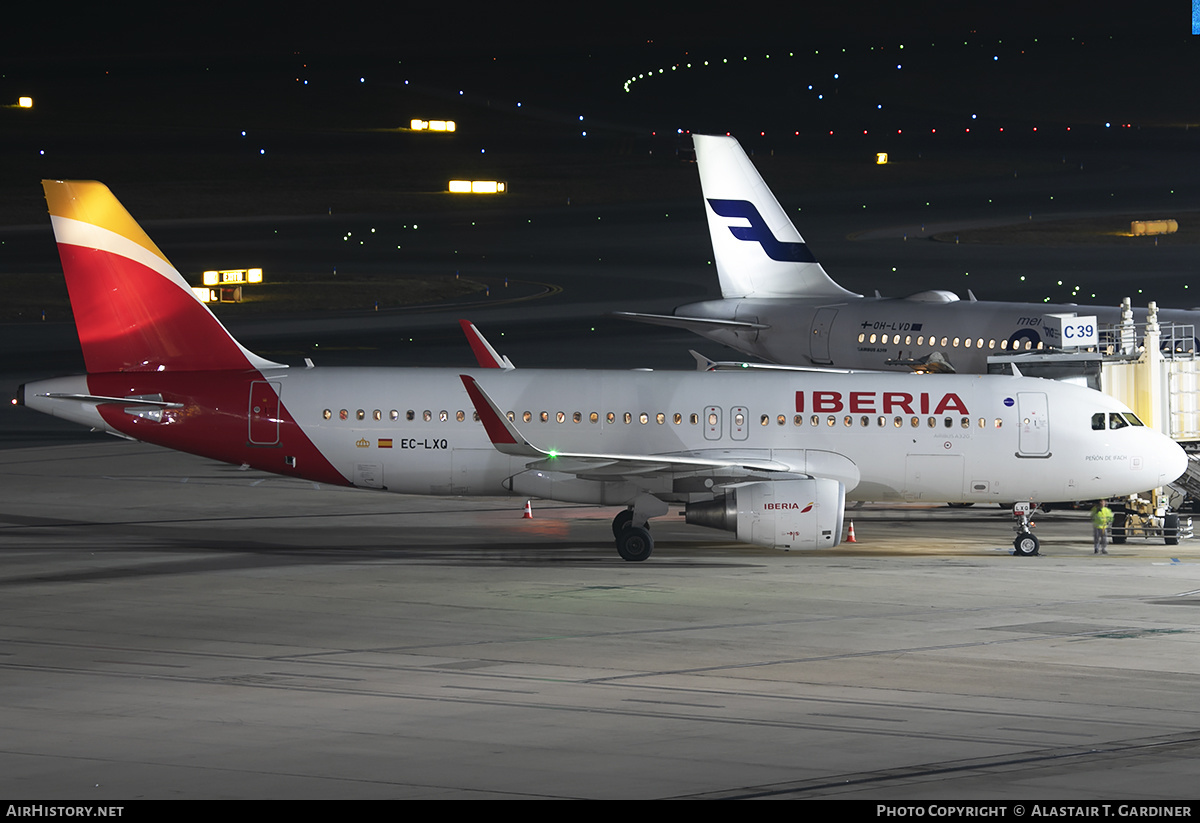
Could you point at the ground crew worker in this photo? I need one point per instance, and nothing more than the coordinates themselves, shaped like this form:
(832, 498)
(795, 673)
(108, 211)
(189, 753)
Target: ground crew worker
(1102, 518)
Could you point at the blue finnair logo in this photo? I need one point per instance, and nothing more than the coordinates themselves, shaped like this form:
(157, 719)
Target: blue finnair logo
(757, 232)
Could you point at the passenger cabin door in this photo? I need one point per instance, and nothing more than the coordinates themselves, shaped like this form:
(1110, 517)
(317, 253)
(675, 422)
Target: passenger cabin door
(1034, 422)
(263, 413)
(822, 323)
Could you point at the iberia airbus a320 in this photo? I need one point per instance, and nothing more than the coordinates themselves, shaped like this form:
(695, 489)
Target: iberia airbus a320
(770, 456)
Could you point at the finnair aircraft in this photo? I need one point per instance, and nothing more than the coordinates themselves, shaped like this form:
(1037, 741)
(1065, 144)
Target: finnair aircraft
(770, 456)
(779, 304)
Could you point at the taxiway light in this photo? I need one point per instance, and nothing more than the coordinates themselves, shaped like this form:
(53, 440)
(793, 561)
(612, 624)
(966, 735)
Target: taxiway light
(477, 187)
(881, 158)
(204, 294)
(25, 102)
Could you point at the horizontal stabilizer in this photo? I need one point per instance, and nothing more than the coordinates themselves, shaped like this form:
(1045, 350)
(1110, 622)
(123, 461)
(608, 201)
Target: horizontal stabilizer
(689, 323)
(151, 402)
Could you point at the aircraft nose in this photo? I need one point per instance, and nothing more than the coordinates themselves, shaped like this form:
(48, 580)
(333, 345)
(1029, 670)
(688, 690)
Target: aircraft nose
(1172, 461)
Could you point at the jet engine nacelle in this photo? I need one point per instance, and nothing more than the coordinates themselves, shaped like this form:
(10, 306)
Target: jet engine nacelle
(785, 514)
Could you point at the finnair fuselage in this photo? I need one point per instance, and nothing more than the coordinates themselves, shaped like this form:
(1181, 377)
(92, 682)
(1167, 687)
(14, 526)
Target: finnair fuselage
(891, 333)
(886, 437)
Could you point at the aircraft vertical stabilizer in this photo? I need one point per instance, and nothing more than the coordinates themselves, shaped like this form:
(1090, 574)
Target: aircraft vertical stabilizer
(133, 310)
(758, 251)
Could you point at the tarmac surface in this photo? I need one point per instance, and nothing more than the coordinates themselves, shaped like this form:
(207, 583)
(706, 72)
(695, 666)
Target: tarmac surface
(177, 628)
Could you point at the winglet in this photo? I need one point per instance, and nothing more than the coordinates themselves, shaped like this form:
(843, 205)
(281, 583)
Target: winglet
(702, 363)
(500, 430)
(487, 356)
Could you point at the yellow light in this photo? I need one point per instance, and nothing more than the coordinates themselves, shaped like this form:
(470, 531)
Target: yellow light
(230, 277)
(477, 187)
(881, 158)
(432, 125)
(25, 102)
(204, 294)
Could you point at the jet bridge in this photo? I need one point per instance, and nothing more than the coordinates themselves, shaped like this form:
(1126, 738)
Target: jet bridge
(1155, 370)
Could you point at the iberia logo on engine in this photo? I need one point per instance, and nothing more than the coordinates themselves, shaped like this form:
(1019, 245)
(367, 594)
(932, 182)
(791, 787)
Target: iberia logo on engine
(777, 506)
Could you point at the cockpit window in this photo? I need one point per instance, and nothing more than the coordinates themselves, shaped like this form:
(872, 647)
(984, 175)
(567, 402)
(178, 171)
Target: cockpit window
(1133, 419)
(1116, 421)
(1098, 422)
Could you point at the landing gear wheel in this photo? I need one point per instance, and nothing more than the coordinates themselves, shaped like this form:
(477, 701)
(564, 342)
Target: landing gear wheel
(1026, 545)
(622, 520)
(1170, 529)
(1118, 527)
(634, 543)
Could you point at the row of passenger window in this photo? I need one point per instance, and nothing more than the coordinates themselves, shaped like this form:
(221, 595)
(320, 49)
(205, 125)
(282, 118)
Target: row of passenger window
(948, 342)
(714, 419)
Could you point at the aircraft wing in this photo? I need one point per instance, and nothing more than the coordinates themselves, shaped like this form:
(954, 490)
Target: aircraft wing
(689, 323)
(508, 439)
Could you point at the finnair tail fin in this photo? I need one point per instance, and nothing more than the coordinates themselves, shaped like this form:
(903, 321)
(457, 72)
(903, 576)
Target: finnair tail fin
(133, 310)
(758, 251)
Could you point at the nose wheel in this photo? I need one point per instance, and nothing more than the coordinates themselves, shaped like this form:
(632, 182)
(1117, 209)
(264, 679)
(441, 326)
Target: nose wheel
(1026, 545)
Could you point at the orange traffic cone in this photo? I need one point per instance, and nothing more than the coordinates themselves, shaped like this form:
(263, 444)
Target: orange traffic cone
(850, 536)
(528, 512)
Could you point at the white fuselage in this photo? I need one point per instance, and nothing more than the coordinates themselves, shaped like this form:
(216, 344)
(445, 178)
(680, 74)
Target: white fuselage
(886, 436)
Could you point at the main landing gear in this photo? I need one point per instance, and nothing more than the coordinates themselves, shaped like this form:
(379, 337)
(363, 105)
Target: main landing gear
(634, 543)
(631, 527)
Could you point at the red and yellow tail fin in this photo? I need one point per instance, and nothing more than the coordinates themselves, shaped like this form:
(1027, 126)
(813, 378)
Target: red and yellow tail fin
(133, 310)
